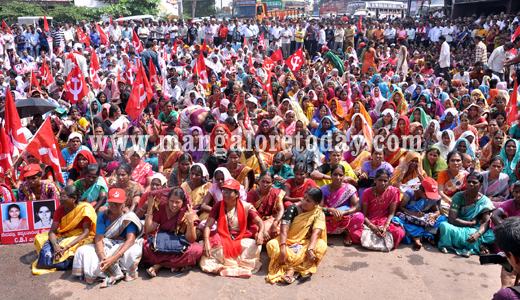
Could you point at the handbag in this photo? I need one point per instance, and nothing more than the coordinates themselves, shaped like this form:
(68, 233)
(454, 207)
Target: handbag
(371, 241)
(411, 219)
(46, 258)
(167, 242)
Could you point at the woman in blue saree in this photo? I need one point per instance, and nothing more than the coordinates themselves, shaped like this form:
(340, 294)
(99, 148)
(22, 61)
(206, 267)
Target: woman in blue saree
(324, 133)
(462, 39)
(466, 231)
(511, 156)
(93, 188)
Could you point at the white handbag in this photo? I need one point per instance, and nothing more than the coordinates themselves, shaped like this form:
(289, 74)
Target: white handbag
(371, 241)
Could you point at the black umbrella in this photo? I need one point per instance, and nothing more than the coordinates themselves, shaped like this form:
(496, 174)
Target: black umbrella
(33, 106)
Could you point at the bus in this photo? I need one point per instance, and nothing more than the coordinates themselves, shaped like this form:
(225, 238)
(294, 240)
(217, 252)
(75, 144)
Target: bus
(353, 6)
(380, 9)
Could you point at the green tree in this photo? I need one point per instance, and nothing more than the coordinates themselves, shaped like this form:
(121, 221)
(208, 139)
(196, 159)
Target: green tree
(74, 13)
(203, 8)
(10, 11)
(132, 7)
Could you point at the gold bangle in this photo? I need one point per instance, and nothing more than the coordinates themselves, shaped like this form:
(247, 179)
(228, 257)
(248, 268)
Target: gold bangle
(121, 255)
(146, 215)
(206, 237)
(100, 252)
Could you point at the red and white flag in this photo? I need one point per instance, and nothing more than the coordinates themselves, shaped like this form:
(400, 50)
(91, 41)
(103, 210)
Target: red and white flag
(139, 96)
(205, 46)
(261, 41)
(45, 148)
(277, 56)
(82, 37)
(129, 75)
(13, 125)
(247, 120)
(251, 66)
(120, 21)
(512, 107)
(76, 86)
(5, 25)
(6, 161)
(102, 36)
(34, 82)
(45, 24)
(45, 74)
(136, 42)
(513, 37)
(153, 73)
(268, 64)
(268, 85)
(295, 61)
(94, 76)
(174, 47)
(200, 69)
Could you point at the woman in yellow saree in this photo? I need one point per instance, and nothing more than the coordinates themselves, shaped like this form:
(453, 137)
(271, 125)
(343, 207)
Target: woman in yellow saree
(68, 232)
(302, 242)
(197, 188)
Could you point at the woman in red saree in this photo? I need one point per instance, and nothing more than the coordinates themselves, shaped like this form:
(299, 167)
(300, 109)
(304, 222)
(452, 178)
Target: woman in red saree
(379, 207)
(296, 187)
(242, 173)
(141, 170)
(175, 216)
(219, 144)
(79, 166)
(402, 128)
(268, 202)
(231, 251)
(393, 157)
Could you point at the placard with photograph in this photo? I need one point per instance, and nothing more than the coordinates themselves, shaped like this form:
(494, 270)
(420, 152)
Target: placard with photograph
(21, 221)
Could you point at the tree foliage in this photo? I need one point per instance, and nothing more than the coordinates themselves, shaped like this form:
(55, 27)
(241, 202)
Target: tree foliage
(10, 11)
(132, 7)
(204, 8)
(74, 14)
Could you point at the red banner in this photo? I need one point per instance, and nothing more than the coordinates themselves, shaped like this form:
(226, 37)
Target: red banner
(21, 221)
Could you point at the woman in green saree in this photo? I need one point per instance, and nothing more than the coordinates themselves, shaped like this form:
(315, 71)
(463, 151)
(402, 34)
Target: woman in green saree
(434, 163)
(93, 188)
(466, 231)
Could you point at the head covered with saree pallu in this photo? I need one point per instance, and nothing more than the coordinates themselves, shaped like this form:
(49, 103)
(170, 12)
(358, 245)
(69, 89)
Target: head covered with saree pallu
(439, 108)
(510, 165)
(88, 155)
(425, 118)
(456, 120)
(400, 170)
(362, 111)
(226, 141)
(439, 165)
(397, 130)
(316, 116)
(468, 146)
(402, 106)
(339, 111)
(215, 190)
(365, 127)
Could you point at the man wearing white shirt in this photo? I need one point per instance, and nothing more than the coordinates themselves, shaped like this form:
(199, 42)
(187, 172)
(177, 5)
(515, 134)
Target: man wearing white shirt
(115, 32)
(435, 33)
(230, 28)
(33, 38)
(495, 61)
(447, 32)
(214, 28)
(444, 60)
(286, 34)
(411, 34)
(462, 75)
(322, 40)
(389, 34)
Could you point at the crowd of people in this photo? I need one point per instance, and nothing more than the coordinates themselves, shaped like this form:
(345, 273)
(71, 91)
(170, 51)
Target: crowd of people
(386, 130)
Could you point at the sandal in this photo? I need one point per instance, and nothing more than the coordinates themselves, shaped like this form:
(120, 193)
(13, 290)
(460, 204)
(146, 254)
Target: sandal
(417, 247)
(483, 250)
(290, 279)
(306, 277)
(348, 240)
(150, 270)
(444, 250)
(465, 254)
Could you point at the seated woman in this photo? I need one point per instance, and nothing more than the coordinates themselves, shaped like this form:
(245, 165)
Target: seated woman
(447, 143)
(302, 228)
(197, 188)
(379, 207)
(175, 217)
(231, 252)
(451, 180)
(118, 245)
(511, 155)
(495, 185)
(393, 157)
(158, 191)
(369, 169)
(74, 146)
(168, 159)
(492, 148)
(434, 163)
(34, 188)
(295, 187)
(388, 121)
(341, 203)
(79, 166)
(322, 174)
(281, 171)
(274, 142)
(103, 150)
(243, 174)
(74, 225)
(214, 194)
(409, 173)
(268, 202)
(141, 170)
(304, 151)
(419, 213)
(464, 126)
(133, 190)
(466, 231)
(93, 188)
(181, 172)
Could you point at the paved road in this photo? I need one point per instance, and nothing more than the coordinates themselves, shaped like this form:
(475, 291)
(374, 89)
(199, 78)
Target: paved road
(344, 272)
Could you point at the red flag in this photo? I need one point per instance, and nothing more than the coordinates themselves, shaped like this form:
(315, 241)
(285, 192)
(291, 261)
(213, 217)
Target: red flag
(517, 33)
(295, 61)
(153, 74)
(281, 15)
(102, 36)
(204, 46)
(174, 47)
(200, 69)
(46, 75)
(139, 96)
(512, 107)
(13, 125)
(45, 24)
(121, 21)
(261, 40)
(75, 85)
(82, 37)
(136, 42)
(5, 25)
(359, 23)
(128, 74)
(251, 66)
(45, 148)
(268, 64)
(111, 20)
(245, 41)
(277, 56)
(268, 85)
(34, 82)
(94, 76)
(247, 120)
(6, 161)
(95, 61)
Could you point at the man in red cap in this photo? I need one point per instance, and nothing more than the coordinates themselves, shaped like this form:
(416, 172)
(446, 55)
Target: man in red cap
(419, 213)
(34, 187)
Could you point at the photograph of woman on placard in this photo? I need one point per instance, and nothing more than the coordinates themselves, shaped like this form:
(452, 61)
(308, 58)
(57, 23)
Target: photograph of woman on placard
(43, 212)
(14, 217)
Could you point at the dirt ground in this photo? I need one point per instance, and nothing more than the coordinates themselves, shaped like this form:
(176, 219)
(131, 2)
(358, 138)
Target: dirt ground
(344, 272)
